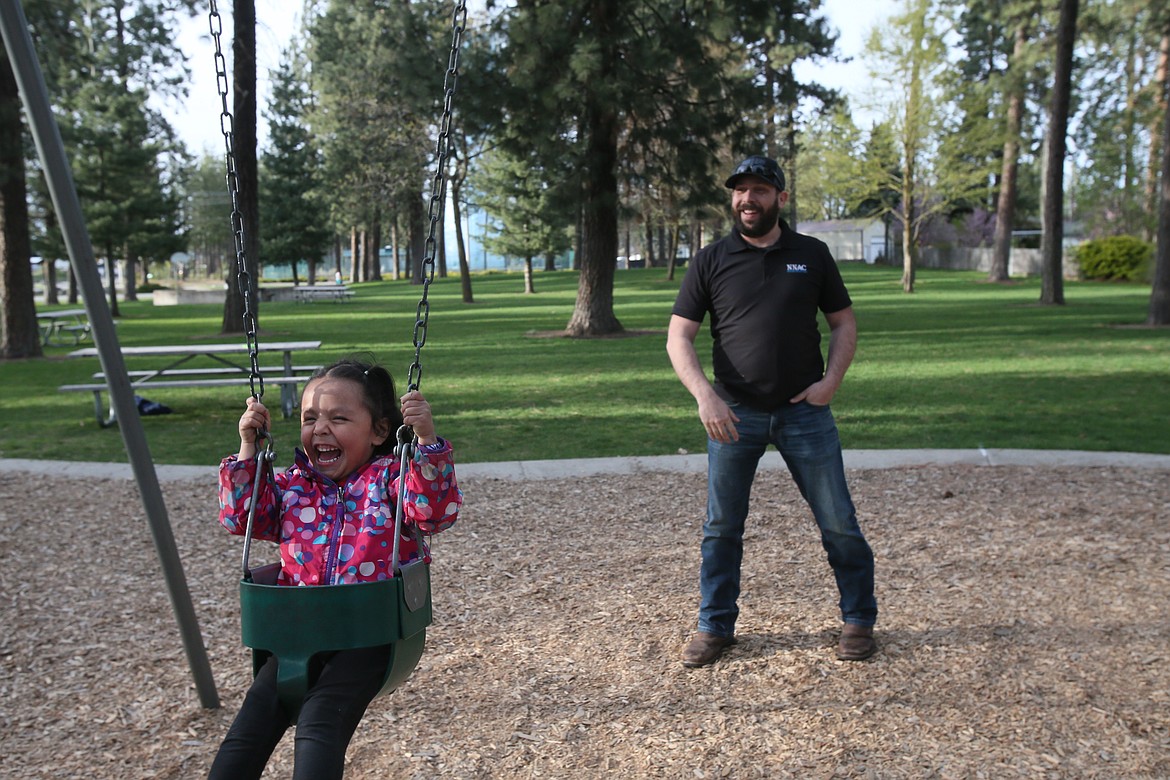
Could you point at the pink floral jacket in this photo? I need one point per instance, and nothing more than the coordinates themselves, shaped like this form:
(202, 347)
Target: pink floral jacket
(331, 534)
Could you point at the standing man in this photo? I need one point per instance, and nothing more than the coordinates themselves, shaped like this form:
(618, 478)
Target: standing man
(763, 285)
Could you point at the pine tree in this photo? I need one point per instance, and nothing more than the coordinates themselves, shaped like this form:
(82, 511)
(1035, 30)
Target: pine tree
(295, 218)
(124, 153)
(532, 217)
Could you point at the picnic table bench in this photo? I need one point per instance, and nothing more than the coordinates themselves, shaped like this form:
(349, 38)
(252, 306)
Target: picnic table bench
(228, 374)
(313, 292)
(57, 326)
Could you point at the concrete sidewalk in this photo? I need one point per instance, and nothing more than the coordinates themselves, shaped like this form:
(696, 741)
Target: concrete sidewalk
(588, 467)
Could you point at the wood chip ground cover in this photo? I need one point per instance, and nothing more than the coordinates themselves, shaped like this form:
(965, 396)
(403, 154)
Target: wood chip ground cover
(1023, 634)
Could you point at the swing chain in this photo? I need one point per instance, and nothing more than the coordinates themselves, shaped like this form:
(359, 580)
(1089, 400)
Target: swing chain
(438, 191)
(243, 275)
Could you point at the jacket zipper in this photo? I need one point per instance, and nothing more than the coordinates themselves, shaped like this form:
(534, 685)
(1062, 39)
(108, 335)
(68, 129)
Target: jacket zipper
(335, 538)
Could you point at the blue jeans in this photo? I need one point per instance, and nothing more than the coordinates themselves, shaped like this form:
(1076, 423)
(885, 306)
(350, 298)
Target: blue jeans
(806, 436)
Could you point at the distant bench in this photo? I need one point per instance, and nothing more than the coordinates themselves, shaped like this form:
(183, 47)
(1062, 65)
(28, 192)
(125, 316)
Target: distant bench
(313, 292)
(61, 325)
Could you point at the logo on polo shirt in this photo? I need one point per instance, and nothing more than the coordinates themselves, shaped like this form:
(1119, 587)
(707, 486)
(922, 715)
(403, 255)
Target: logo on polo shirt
(797, 268)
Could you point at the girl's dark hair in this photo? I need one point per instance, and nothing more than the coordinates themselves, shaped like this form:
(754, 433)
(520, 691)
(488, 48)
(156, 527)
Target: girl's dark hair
(377, 393)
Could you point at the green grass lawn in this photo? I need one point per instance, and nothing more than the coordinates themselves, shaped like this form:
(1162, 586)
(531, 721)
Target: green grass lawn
(958, 364)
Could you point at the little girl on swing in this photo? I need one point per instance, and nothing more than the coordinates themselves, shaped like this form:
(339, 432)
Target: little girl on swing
(330, 512)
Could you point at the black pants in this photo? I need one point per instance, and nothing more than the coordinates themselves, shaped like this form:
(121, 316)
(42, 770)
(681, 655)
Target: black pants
(339, 693)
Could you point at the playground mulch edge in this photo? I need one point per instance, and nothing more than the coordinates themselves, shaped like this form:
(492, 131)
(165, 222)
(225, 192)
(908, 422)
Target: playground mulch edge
(1023, 633)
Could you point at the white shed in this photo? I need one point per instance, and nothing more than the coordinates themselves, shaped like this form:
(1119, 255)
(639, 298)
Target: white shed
(849, 239)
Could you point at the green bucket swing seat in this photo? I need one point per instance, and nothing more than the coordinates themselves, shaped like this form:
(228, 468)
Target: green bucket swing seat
(296, 623)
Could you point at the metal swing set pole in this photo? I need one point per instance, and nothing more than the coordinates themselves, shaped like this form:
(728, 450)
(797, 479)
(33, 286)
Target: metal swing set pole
(47, 135)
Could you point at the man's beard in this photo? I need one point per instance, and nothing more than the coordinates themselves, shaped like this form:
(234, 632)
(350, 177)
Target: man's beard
(767, 220)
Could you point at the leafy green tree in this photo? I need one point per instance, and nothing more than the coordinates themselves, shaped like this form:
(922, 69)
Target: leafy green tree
(775, 37)
(379, 82)
(1015, 88)
(1116, 128)
(124, 51)
(533, 220)
(477, 105)
(909, 53)
(295, 218)
(991, 86)
(829, 163)
(129, 210)
(207, 213)
(55, 39)
(1155, 171)
(125, 155)
(640, 92)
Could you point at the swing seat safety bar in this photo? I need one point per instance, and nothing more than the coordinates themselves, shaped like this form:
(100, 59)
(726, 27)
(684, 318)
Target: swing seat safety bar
(296, 623)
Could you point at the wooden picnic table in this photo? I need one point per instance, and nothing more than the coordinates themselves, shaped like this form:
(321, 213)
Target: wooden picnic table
(57, 326)
(232, 370)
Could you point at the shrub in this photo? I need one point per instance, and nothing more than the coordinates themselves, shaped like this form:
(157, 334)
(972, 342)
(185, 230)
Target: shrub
(1115, 257)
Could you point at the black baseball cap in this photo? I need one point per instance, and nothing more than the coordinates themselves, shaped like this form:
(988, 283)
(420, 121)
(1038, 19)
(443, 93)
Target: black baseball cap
(757, 165)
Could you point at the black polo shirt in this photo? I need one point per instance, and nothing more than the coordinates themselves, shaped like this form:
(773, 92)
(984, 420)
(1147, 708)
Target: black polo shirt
(764, 307)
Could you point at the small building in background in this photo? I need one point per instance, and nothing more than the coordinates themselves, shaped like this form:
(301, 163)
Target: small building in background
(850, 240)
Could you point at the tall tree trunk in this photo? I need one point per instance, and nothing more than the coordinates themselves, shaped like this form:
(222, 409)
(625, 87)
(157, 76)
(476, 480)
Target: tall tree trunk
(441, 244)
(672, 244)
(1005, 209)
(244, 147)
(370, 257)
(395, 248)
(355, 251)
(19, 336)
(792, 183)
(48, 264)
(130, 275)
(909, 221)
(418, 239)
(648, 250)
(529, 286)
(376, 246)
(112, 281)
(1134, 222)
(578, 238)
(460, 243)
(1160, 294)
(909, 246)
(1052, 237)
(911, 141)
(128, 270)
(593, 313)
(49, 272)
(1156, 130)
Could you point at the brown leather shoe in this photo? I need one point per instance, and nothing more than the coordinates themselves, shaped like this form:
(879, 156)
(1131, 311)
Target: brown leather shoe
(704, 648)
(856, 643)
